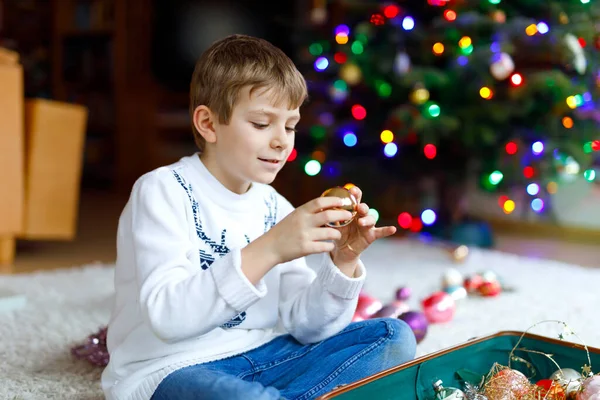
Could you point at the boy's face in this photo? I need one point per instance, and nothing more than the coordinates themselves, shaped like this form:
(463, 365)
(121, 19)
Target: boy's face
(256, 143)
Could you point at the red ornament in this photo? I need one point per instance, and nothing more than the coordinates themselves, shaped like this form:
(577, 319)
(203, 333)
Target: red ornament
(490, 289)
(366, 307)
(439, 307)
(597, 42)
(473, 283)
(596, 145)
(551, 390)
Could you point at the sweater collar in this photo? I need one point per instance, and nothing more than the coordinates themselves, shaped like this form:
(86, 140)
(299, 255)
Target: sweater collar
(219, 193)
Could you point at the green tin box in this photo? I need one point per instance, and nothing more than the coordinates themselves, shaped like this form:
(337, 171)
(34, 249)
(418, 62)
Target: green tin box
(414, 380)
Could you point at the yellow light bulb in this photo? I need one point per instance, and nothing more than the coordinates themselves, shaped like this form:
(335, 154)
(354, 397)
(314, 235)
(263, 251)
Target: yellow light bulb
(531, 30)
(438, 48)
(464, 42)
(341, 38)
(485, 92)
(387, 136)
(567, 122)
(509, 206)
(572, 102)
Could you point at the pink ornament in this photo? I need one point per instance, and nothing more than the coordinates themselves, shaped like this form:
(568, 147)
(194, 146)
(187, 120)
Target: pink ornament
(439, 307)
(590, 389)
(366, 307)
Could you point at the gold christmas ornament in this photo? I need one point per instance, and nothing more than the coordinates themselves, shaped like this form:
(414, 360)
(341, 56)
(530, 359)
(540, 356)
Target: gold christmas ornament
(349, 204)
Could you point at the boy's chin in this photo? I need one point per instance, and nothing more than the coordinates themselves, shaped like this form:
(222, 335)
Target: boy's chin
(265, 179)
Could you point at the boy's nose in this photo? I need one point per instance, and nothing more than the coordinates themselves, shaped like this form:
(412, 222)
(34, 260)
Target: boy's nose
(280, 140)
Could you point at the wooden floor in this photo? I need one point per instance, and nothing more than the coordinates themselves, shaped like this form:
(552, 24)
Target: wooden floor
(98, 221)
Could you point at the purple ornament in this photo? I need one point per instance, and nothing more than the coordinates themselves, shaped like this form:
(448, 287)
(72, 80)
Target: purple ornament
(403, 293)
(417, 322)
(93, 349)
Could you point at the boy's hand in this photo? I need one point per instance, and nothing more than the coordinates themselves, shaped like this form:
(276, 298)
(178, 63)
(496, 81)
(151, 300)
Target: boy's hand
(304, 230)
(357, 236)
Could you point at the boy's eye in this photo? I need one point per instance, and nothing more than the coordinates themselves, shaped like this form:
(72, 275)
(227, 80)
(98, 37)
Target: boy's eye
(290, 130)
(259, 126)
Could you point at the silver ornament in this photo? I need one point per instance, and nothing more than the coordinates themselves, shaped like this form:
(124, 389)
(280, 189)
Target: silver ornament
(568, 378)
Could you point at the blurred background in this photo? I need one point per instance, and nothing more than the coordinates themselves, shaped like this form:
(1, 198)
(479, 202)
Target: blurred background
(470, 122)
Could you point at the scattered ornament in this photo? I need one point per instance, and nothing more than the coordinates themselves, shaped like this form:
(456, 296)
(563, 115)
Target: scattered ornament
(417, 321)
(439, 307)
(452, 277)
(490, 289)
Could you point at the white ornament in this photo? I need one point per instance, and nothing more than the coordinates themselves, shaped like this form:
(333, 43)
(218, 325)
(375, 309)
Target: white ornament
(489, 276)
(579, 60)
(452, 277)
(502, 66)
(402, 63)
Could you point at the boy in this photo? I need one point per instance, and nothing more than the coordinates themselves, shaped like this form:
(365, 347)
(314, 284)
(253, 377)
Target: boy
(210, 271)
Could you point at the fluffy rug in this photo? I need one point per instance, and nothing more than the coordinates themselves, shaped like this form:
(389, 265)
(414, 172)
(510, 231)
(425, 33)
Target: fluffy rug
(65, 306)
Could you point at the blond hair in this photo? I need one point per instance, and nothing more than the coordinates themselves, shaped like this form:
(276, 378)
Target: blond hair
(238, 61)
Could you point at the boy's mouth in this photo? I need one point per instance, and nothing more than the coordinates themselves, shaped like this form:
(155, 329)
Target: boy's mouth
(272, 161)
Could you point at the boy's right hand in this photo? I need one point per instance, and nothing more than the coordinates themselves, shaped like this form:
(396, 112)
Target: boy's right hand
(304, 231)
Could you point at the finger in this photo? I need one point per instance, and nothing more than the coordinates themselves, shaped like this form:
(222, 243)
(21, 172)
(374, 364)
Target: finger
(320, 247)
(384, 231)
(355, 190)
(323, 203)
(363, 209)
(329, 216)
(325, 233)
(367, 222)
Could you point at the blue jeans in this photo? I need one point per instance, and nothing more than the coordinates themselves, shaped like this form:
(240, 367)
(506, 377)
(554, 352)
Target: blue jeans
(286, 369)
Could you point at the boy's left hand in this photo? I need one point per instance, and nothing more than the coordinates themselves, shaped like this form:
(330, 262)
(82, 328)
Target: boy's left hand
(357, 236)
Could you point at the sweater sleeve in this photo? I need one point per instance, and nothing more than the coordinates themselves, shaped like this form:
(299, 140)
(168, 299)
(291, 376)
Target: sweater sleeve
(178, 299)
(315, 306)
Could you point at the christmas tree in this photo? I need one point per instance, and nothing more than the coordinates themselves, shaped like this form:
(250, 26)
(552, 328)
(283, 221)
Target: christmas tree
(410, 100)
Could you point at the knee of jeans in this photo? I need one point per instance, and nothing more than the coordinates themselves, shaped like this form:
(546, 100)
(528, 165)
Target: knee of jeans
(401, 339)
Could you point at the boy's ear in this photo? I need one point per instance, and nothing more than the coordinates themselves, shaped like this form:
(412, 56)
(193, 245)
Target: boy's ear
(204, 121)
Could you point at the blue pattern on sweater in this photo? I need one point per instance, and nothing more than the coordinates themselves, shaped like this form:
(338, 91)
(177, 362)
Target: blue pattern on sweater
(206, 258)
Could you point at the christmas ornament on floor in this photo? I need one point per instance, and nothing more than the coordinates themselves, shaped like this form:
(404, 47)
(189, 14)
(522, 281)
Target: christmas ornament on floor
(349, 204)
(439, 307)
(396, 307)
(366, 307)
(418, 323)
(93, 349)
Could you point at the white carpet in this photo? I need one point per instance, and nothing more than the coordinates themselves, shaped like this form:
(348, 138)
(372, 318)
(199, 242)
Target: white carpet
(65, 306)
